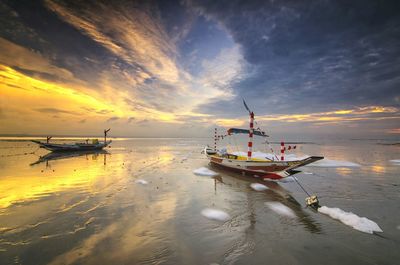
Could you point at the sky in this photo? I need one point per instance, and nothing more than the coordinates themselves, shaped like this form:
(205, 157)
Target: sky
(316, 68)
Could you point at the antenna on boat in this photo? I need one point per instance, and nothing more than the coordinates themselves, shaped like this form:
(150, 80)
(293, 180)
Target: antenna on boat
(48, 138)
(245, 105)
(105, 135)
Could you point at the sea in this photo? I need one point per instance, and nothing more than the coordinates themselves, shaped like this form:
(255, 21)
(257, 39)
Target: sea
(159, 201)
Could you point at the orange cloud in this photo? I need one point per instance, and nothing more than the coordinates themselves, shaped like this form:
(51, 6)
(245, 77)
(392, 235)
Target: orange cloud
(357, 114)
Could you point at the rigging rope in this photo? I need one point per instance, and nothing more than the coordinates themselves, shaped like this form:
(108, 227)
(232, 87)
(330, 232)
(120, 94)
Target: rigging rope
(267, 143)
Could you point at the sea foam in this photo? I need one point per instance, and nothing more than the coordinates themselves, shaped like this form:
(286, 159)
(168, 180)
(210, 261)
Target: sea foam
(258, 187)
(203, 171)
(141, 181)
(281, 209)
(215, 214)
(395, 161)
(362, 224)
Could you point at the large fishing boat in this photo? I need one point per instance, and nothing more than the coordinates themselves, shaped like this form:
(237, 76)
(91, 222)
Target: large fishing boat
(74, 147)
(266, 168)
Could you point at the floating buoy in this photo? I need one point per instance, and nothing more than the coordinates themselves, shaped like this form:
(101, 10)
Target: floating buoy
(313, 202)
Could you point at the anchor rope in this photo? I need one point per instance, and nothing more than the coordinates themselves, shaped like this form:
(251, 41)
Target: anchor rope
(301, 186)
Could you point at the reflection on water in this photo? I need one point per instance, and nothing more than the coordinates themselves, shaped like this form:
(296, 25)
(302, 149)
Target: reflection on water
(87, 208)
(49, 179)
(344, 171)
(275, 193)
(64, 155)
(378, 169)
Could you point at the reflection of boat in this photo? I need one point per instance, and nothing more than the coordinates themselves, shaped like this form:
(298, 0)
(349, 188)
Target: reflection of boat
(95, 145)
(65, 155)
(275, 193)
(263, 167)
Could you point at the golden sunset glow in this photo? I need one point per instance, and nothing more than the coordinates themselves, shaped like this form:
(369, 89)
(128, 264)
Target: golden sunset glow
(17, 86)
(229, 122)
(67, 176)
(49, 102)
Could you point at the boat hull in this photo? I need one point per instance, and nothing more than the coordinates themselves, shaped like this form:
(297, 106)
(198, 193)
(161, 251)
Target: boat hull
(266, 169)
(72, 147)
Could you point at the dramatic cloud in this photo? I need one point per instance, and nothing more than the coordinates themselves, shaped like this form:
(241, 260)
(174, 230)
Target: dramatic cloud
(170, 65)
(312, 56)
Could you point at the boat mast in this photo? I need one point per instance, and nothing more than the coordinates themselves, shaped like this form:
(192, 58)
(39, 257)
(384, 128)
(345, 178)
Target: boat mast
(251, 130)
(105, 135)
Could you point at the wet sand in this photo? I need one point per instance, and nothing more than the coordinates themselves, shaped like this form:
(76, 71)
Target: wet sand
(140, 203)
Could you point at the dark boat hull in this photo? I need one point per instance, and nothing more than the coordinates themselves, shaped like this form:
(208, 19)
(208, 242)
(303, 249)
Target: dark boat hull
(72, 147)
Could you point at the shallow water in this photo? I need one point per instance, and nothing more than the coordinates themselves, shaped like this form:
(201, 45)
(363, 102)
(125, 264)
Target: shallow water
(97, 208)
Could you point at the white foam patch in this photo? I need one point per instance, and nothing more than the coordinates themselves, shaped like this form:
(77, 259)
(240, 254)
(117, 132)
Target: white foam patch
(281, 209)
(308, 173)
(395, 161)
(141, 181)
(215, 214)
(203, 171)
(362, 224)
(334, 163)
(258, 187)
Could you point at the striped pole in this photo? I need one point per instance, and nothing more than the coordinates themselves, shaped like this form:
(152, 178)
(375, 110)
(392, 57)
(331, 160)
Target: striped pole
(282, 151)
(215, 139)
(251, 130)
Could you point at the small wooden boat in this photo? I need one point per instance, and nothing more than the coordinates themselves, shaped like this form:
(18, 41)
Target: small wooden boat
(74, 147)
(261, 167)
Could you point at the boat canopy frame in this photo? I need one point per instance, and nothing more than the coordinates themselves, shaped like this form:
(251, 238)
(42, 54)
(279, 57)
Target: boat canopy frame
(257, 132)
